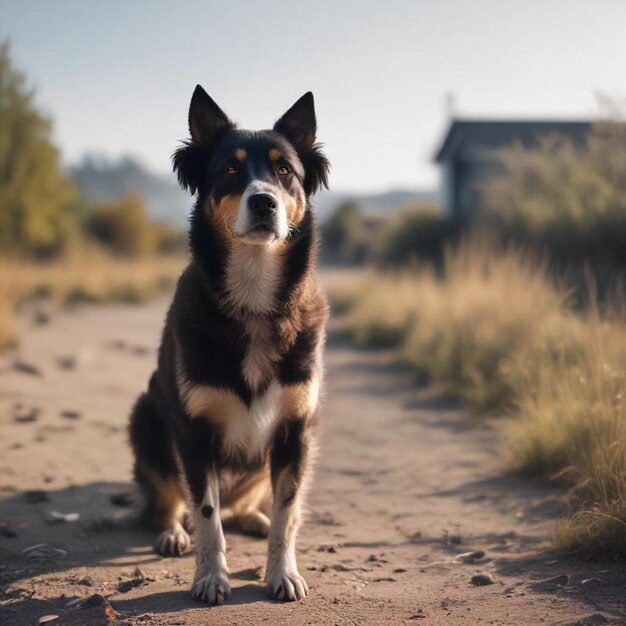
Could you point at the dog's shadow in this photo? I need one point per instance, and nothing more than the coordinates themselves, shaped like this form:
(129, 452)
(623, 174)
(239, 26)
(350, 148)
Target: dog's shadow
(104, 536)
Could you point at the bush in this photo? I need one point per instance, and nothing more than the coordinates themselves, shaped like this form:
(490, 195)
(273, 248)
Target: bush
(496, 331)
(412, 233)
(416, 234)
(568, 200)
(123, 227)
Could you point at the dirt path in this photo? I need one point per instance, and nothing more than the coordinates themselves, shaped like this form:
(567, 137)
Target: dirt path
(404, 484)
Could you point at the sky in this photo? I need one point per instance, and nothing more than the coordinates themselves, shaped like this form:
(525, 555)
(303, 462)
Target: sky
(117, 76)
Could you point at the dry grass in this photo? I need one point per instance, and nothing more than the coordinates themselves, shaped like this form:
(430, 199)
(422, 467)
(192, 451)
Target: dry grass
(88, 275)
(500, 334)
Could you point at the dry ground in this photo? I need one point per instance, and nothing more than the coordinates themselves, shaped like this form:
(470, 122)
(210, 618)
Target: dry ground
(405, 483)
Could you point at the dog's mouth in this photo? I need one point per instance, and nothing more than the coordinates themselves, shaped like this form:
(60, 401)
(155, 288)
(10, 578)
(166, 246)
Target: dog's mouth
(260, 233)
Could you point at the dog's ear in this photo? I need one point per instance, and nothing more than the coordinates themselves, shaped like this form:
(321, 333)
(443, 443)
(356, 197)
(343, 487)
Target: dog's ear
(206, 123)
(206, 119)
(299, 126)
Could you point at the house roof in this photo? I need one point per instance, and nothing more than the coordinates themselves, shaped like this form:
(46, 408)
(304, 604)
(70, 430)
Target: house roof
(491, 134)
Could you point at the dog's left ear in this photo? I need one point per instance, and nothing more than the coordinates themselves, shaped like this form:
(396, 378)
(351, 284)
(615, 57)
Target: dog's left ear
(299, 126)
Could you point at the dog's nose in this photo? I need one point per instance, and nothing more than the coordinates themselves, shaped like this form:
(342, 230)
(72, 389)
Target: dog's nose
(262, 205)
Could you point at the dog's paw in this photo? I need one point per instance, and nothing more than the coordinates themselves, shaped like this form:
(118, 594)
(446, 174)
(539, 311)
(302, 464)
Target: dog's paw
(173, 541)
(287, 585)
(254, 523)
(211, 587)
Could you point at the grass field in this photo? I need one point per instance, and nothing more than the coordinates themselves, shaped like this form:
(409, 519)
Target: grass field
(499, 333)
(89, 275)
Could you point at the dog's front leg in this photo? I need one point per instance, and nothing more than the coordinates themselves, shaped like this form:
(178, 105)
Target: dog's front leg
(211, 582)
(289, 460)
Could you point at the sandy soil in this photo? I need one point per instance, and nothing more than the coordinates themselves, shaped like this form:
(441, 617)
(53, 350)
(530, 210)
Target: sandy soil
(405, 483)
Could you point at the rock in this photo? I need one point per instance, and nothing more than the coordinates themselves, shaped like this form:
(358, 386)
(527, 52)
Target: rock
(71, 414)
(470, 557)
(551, 584)
(47, 619)
(54, 517)
(326, 519)
(43, 552)
(26, 368)
(372, 558)
(138, 579)
(23, 415)
(481, 580)
(399, 570)
(419, 614)
(327, 547)
(141, 351)
(126, 585)
(100, 602)
(67, 362)
(36, 496)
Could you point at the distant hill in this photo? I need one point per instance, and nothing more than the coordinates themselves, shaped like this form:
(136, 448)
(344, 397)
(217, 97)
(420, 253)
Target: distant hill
(326, 201)
(101, 179)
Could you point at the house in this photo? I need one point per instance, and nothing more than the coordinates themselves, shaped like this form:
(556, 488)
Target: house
(465, 156)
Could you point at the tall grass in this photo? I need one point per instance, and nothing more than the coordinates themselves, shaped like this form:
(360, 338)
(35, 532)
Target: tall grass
(499, 333)
(85, 275)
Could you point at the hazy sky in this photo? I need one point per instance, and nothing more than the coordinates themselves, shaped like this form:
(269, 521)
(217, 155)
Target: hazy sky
(117, 76)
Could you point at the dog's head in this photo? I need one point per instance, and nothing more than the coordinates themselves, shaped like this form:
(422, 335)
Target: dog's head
(253, 186)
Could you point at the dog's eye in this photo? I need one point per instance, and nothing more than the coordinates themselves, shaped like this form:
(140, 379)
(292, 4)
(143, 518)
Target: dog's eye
(232, 169)
(283, 170)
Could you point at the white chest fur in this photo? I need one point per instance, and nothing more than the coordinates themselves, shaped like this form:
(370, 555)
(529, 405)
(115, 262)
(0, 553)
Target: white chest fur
(248, 430)
(252, 277)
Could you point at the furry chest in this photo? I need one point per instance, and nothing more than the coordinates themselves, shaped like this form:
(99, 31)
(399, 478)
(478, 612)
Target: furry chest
(245, 430)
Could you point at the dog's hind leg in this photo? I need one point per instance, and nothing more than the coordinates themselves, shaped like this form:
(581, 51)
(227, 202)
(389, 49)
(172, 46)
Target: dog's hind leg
(251, 501)
(157, 473)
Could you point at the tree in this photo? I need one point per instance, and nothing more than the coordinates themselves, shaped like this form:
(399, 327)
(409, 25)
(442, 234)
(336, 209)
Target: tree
(36, 199)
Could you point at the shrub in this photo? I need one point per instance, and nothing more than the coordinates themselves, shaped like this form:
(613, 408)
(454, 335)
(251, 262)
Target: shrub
(569, 200)
(419, 233)
(123, 226)
(495, 330)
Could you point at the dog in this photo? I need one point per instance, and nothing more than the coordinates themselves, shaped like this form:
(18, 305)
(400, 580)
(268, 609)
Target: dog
(229, 418)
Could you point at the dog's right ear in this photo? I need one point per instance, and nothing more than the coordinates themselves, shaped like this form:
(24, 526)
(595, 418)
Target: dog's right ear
(206, 123)
(206, 119)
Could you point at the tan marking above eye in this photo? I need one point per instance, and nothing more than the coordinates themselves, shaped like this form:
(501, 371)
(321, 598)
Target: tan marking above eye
(240, 154)
(275, 154)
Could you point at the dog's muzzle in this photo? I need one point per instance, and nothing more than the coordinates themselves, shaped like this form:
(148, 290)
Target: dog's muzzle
(262, 216)
(262, 208)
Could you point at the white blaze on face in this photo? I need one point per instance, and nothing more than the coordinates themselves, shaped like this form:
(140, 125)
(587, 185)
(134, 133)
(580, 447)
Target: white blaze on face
(245, 220)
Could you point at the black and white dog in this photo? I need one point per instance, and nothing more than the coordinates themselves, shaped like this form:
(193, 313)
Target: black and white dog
(229, 417)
